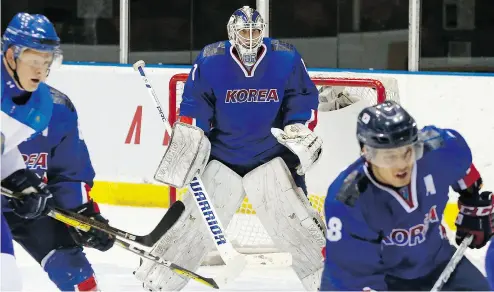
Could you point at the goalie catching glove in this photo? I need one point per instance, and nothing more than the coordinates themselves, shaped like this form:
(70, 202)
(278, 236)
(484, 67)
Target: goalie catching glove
(186, 156)
(333, 98)
(302, 142)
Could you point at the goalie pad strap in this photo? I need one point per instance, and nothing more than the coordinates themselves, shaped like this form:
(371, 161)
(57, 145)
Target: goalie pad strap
(189, 242)
(289, 219)
(185, 157)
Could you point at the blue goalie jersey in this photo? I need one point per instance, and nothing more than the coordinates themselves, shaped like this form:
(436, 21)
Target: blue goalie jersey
(375, 230)
(237, 106)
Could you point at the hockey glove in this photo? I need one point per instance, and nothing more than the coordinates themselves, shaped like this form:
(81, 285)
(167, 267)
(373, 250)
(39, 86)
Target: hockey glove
(475, 217)
(185, 157)
(94, 238)
(302, 142)
(36, 195)
(332, 98)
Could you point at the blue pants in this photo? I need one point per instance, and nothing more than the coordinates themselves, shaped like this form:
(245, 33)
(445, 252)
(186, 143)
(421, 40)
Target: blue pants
(489, 264)
(49, 242)
(466, 277)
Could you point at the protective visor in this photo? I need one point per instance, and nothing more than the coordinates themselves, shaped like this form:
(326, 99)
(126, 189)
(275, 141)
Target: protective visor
(394, 157)
(41, 59)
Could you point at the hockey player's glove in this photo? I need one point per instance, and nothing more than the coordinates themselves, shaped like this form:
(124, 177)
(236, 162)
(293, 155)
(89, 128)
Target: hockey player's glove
(93, 238)
(476, 218)
(302, 142)
(332, 98)
(36, 195)
(185, 157)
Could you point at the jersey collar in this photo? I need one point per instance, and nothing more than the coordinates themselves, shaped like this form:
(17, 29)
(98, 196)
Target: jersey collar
(249, 73)
(410, 204)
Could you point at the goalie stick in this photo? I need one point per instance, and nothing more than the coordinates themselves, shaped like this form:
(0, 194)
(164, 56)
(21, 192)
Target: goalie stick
(167, 222)
(235, 262)
(85, 224)
(453, 262)
(175, 268)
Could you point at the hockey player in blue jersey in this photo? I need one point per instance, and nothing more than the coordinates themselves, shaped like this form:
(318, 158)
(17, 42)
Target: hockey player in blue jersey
(384, 212)
(252, 108)
(489, 264)
(30, 46)
(60, 156)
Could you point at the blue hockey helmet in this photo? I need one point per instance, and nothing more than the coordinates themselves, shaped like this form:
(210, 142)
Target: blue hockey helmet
(388, 126)
(36, 32)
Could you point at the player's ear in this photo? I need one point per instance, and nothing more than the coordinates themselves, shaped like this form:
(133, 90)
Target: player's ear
(9, 55)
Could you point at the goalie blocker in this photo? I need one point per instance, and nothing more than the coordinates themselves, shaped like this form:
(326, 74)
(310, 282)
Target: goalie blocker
(186, 156)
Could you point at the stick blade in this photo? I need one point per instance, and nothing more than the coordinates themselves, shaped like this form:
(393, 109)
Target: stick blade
(233, 269)
(166, 223)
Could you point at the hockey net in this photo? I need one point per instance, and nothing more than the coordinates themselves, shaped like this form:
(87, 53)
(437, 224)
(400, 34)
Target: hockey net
(245, 231)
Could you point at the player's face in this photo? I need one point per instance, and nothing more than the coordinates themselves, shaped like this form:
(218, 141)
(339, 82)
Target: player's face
(31, 67)
(245, 36)
(396, 177)
(393, 166)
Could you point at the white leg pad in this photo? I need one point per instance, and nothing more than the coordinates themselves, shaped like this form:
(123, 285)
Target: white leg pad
(188, 243)
(286, 214)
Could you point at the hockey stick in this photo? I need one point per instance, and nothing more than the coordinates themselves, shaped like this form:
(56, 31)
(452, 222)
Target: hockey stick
(59, 215)
(453, 262)
(234, 261)
(84, 223)
(69, 219)
(210, 282)
(165, 224)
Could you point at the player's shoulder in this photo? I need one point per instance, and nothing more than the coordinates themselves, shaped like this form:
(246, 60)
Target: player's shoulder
(61, 99)
(64, 112)
(214, 49)
(448, 148)
(350, 184)
(435, 138)
(348, 203)
(275, 45)
(281, 48)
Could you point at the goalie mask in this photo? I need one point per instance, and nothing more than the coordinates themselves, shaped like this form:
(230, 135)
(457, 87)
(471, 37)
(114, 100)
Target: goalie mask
(245, 32)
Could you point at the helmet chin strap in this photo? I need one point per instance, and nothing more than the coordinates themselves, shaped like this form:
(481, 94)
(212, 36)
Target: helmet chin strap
(16, 76)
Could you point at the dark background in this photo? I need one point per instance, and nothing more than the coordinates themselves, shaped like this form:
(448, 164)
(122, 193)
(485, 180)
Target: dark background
(455, 34)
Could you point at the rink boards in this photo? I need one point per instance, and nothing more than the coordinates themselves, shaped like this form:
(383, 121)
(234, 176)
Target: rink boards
(126, 139)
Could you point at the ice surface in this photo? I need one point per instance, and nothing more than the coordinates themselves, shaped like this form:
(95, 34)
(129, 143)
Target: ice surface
(114, 268)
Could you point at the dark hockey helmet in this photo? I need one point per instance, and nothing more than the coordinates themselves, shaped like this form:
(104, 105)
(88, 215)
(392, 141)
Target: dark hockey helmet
(386, 125)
